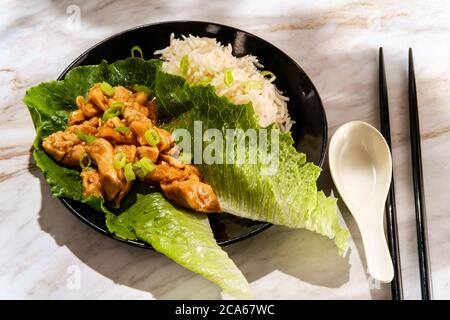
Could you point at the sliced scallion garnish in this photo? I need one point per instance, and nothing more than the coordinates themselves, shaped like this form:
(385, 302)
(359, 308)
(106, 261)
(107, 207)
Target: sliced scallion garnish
(138, 49)
(269, 73)
(123, 129)
(228, 77)
(115, 110)
(119, 160)
(85, 161)
(152, 136)
(143, 167)
(85, 137)
(128, 172)
(253, 84)
(184, 65)
(106, 88)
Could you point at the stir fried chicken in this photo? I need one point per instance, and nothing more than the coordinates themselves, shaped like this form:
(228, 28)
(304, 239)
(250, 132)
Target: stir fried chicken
(102, 153)
(91, 183)
(113, 138)
(192, 194)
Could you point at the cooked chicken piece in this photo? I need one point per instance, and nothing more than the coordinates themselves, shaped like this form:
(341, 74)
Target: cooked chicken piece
(97, 97)
(140, 108)
(102, 153)
(108, 131)
(195, 195)
(149, 152)
(193, 177)
(114, 122)
(73, 156)
(164, 174)
(139, 128)
(60, 143)
(172, 161)
(53, 145)
(85, 127)
(130, 115)
(88, 109)
(109, 134)
(129, 151)
(123, 191)
(141, 97)
(151, 106)
(166, 139)
(193, 171)
(94, 122)
(175, 151)
(75, 117)
(110, 102)
(91, 183)
(122, 94)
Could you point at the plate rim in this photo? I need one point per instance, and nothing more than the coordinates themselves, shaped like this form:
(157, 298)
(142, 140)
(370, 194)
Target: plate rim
(265, 225)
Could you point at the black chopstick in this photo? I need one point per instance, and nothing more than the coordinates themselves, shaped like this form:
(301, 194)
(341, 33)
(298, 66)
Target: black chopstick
(391, 211)
(419, 196)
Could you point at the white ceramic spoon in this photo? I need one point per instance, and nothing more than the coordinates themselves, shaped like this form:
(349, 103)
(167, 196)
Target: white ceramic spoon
(361, 168)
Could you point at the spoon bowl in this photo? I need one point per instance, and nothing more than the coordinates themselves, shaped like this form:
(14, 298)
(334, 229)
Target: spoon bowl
(361, 168)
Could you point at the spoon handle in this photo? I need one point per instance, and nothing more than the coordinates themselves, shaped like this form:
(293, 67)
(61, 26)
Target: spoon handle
(379, 260)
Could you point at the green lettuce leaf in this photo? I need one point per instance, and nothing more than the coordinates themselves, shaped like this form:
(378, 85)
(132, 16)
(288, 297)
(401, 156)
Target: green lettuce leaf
(146, 216)
(289, 197)
(182, 235)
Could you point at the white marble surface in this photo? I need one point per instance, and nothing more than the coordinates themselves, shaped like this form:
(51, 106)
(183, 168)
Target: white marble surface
(43, 247)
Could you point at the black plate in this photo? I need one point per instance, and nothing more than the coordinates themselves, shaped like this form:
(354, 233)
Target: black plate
(305, 106)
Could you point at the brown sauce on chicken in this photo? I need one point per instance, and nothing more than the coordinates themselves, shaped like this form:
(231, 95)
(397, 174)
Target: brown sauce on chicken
(110, 131)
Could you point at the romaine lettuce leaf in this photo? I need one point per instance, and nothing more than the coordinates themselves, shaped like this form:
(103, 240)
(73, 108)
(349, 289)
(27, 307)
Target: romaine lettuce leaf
(289, 197)
(181, 235)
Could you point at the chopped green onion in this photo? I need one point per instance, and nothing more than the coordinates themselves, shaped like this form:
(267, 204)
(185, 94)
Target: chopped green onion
(114, 110)
(143, 167)
(85, 161)
(206, 81)
(119, 160)
(253, 84)
(184, 65)
(106, 88)
(269, 73)
(228, 77)
(85, 137)
(138, 49)
(185, 157)
(117, 105)
(123, 129)
(141, 173)
(128, 172)
(142, 88)
(152, 136)
(147, 164)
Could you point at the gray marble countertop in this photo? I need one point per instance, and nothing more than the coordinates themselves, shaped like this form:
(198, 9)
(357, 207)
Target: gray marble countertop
(44, 247)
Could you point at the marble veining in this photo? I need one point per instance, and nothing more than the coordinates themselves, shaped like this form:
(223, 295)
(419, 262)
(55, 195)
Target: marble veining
(47, 253)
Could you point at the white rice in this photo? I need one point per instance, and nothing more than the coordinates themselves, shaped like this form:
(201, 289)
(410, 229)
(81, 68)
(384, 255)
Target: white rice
(209, 59)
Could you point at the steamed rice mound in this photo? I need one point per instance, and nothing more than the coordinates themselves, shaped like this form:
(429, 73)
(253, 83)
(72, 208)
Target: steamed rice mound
(209, 60)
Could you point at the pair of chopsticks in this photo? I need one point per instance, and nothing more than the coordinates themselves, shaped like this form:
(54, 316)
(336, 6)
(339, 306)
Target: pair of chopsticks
(419, 199)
